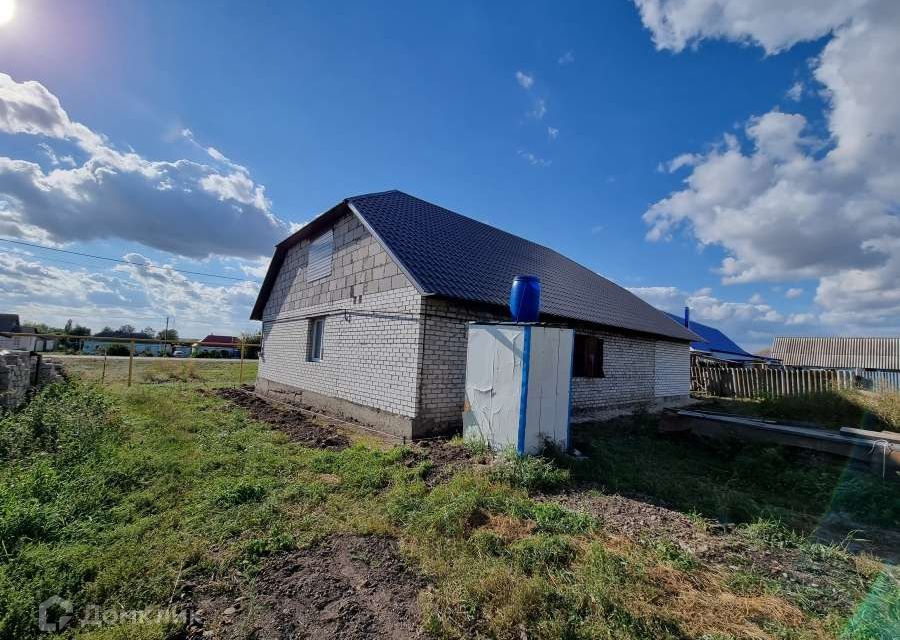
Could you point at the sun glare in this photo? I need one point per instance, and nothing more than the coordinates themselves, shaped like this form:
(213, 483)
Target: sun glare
(7, 11)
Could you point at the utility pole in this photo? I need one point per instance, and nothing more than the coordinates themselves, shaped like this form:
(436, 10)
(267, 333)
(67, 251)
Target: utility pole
(165, 338)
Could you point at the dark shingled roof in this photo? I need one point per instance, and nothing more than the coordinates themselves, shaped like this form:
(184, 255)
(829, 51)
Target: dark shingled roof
(452, 256)
(9, 322)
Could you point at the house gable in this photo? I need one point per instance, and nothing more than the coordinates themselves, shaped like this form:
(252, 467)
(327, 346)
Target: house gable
(360, 266)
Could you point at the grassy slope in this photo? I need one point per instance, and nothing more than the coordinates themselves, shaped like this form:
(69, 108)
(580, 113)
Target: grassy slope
(833, 409)
(116, 497)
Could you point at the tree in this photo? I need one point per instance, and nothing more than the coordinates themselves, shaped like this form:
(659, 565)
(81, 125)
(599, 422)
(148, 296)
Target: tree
(168, 335)
(150, 331)
(78, 330)
(127, 330)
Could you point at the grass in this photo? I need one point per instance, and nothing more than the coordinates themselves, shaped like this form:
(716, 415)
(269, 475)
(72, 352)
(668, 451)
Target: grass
(730, 482)
(117, 496)
(832, 409)
(149, 370)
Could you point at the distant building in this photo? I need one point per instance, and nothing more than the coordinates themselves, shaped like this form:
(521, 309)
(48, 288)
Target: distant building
(880, 354)
(97, 345)
(222, 346)
(716, 346)
(9, 323)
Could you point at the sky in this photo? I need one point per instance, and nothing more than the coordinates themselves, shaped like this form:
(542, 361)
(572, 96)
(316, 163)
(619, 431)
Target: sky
(744, 161)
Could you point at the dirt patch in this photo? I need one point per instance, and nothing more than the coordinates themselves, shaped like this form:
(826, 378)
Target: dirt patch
(299, 426)
(351, 587)
(446, 458)
(811, 581)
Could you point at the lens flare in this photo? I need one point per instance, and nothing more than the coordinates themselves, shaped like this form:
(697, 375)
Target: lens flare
(7, 11)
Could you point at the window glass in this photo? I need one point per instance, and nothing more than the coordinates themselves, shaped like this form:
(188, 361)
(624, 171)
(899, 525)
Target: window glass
(587, 360)
(316, 338)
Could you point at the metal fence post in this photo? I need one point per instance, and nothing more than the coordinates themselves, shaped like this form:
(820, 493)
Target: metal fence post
(103, 373)
(130, 362)
(241, 367)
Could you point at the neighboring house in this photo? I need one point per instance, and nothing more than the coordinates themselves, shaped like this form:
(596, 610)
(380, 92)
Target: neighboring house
(223, 346)
(96, 344)
(882, 354)
(365, 313)
(716, 347)
(9, 322)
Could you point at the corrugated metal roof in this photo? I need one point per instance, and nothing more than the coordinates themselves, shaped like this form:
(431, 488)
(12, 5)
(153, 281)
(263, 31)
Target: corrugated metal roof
(449, 255)
(714, 340)
(839, 353)
(453, 256)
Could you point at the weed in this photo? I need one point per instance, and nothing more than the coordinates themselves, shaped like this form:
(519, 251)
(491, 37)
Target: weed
(529, 472)
(673, 555)
(541, 552)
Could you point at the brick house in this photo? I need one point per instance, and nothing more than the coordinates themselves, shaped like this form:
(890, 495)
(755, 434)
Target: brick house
(364, 313)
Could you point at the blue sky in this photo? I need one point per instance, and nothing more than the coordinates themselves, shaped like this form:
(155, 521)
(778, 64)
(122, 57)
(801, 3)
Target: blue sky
(557, 123)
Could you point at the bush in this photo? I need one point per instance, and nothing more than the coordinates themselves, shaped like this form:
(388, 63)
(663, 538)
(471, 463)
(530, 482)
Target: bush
(118, 350)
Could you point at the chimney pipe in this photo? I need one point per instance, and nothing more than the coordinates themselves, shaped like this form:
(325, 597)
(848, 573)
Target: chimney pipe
(687, 317)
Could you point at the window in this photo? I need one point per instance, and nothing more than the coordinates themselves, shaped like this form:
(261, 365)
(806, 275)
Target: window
(318, 265)
(587, 361)
(315, 339)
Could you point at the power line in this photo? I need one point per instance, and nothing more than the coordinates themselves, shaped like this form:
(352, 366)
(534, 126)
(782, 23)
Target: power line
(18, 252)
(122, 261)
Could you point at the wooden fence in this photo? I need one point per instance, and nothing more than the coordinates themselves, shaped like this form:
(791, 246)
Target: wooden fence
(756, 383)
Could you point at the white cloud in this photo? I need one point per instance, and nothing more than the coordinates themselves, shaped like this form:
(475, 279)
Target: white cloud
(552, 133)
(567, 58)
(751, 324)
(783, 204)
(533, 160)
(793, 292)
(525, 81)
(540, 109)
(795, 93)
(756, 298)
(183, 207)
(127, 293)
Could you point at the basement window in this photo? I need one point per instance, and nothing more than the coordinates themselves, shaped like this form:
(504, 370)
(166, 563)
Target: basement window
(587, 360)
(315, 339)
(318, 265)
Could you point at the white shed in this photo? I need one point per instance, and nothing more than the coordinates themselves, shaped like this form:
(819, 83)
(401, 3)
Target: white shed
(518, 379)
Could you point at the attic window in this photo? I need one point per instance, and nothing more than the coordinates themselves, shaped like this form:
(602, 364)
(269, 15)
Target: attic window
(587, 360)
(319, 264)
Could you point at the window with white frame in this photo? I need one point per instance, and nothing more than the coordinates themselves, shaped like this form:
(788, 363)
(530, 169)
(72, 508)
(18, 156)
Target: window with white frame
(315, 339)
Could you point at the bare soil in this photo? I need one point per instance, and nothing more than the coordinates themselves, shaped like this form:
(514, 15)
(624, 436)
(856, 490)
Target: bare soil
(299, 426)
(351, 587)
(446, 458)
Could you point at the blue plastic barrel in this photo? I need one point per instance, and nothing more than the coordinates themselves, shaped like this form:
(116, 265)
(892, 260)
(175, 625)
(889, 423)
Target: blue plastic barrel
(525, 299)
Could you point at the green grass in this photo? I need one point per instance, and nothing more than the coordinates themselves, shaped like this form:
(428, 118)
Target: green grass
(831, 409)
(150, 370)
(730, 482)
(116, 496)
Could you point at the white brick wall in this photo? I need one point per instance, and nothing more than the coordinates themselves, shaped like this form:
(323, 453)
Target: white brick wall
(371, 343)
(387, 347)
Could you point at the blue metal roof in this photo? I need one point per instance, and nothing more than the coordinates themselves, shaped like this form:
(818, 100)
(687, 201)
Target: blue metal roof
(449, 255)
(715, 340)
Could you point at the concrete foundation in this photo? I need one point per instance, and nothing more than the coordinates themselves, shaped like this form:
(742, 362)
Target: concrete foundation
(391, 423)
(599, 414)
